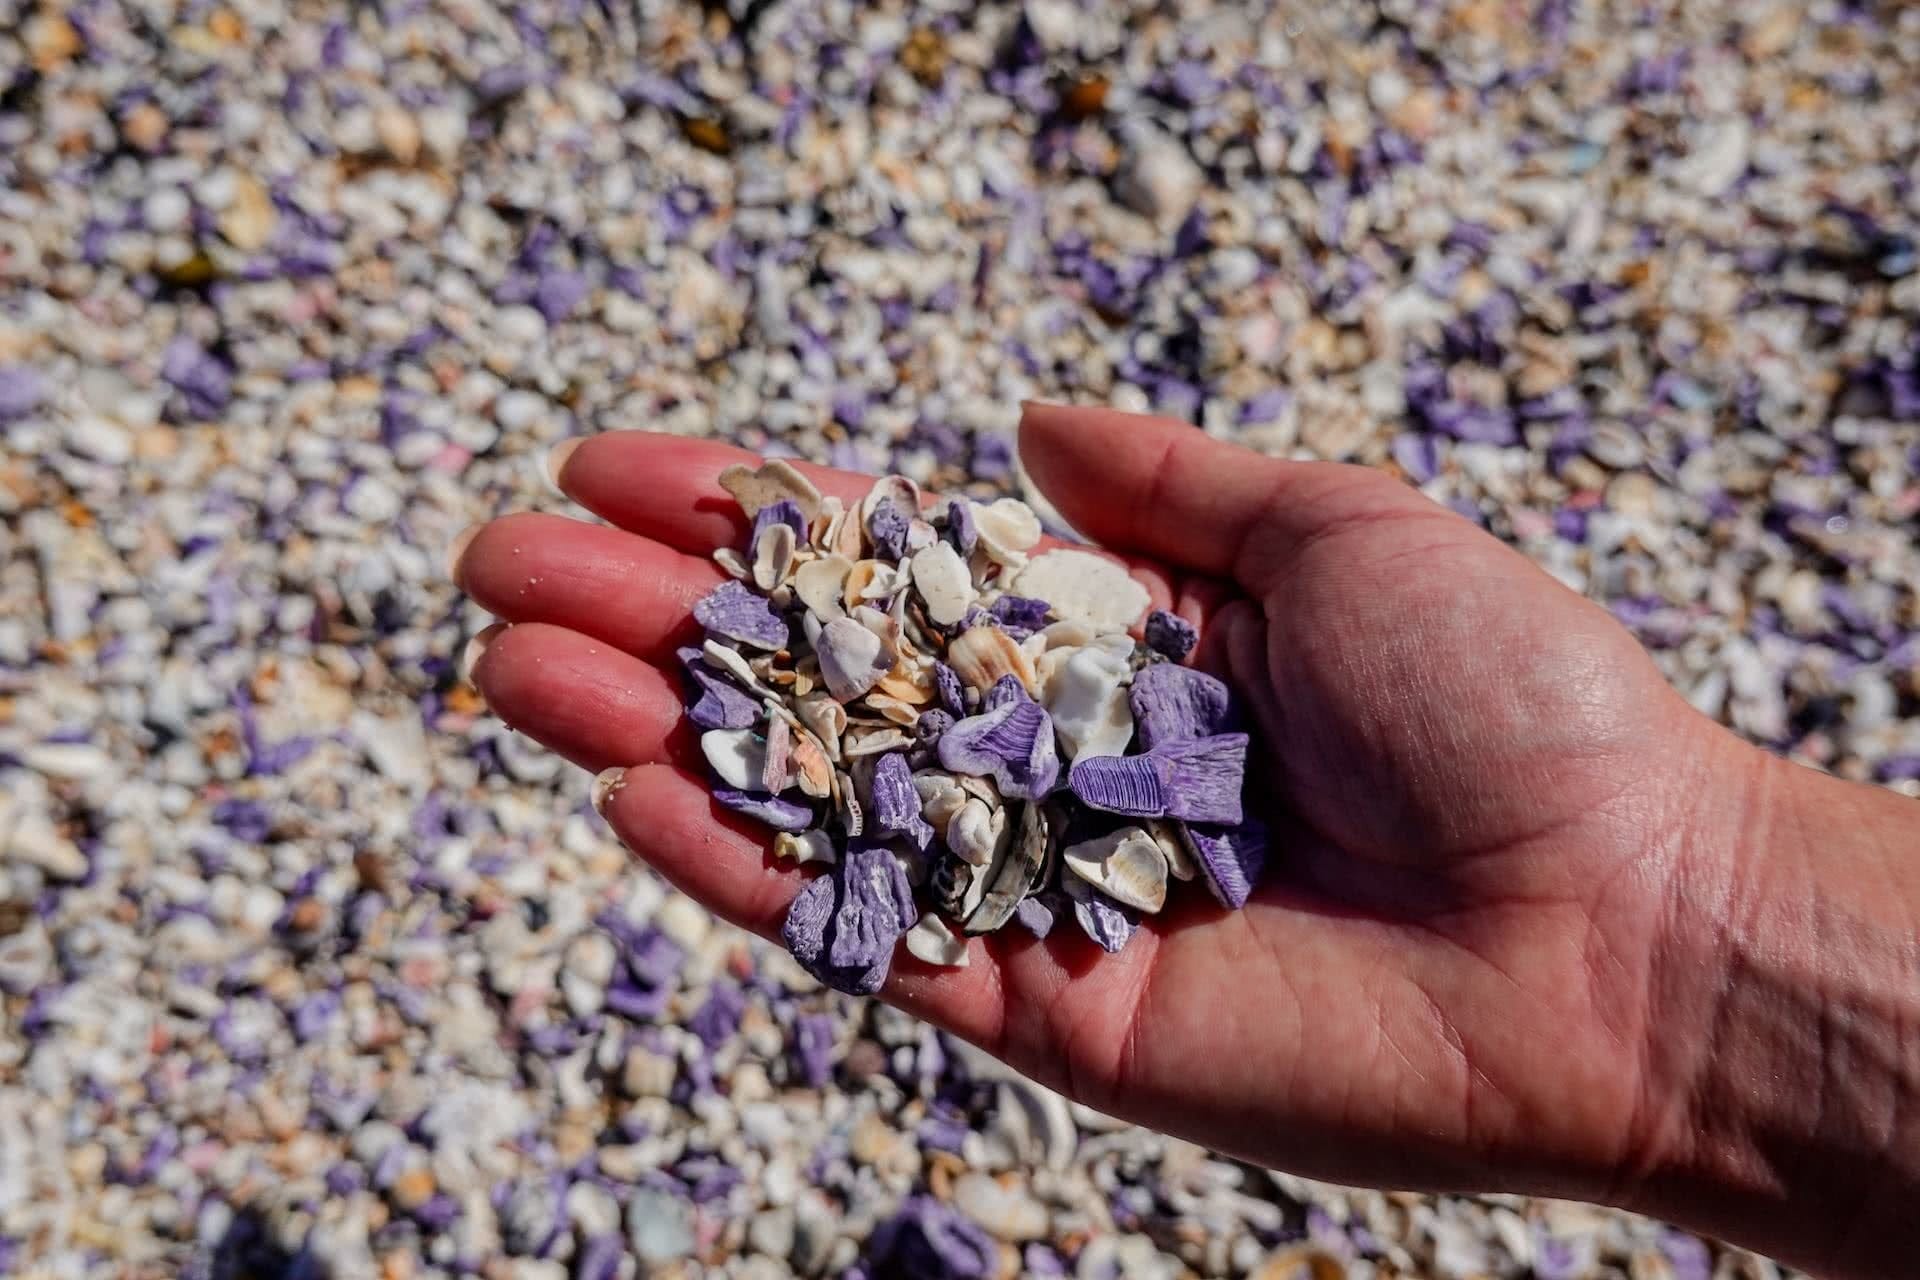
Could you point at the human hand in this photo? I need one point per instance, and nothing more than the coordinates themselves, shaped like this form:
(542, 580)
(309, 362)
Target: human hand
(1487, 802)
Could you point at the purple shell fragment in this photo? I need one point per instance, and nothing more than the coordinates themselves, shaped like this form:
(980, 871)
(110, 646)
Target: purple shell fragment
(896, 804)
(785, 511)
(808, 934)
(875, 907)
(1177, 704)
(732, 611)
(962, 530)
(888, 526)
(928, 1240)
(1107, 922)
(1170, 634)
(1012, 743)
(22, 388)
(1037, 914)
(203, 380)
(947, 686)
(1005, 690)
(720, 705)
(777, 812)
(1197, 780)
(1231, 858)
(1020, 615)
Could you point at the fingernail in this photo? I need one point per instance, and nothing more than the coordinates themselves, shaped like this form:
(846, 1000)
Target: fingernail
(605, 783)
(557, 461)
(458, 548)
(477, 649)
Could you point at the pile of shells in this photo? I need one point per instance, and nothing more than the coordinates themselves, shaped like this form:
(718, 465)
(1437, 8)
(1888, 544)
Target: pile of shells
(922, 695)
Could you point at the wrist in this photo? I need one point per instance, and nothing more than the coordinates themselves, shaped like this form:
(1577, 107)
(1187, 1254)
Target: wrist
(1784, 1068)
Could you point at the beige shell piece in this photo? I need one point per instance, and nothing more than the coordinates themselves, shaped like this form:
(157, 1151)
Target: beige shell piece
(825, 718)
(732, 563)
(983, 654)
(811, 767)
(820, 528)
(1068, 634)
(981, 789)
(773, 556)
(846, 536)
(943, 582)
(1085, 587)
(940, 796)
(1008, 528)
(1014, 873)
(1180, 863)
(1126, 865)
(904, 714)
(870, 580)
(762, 487)
(805, 846)
(848, 802)
(819, 583)
(730, 661)
(898, 490)
(868, 742)
(936, 944)
(909, 682)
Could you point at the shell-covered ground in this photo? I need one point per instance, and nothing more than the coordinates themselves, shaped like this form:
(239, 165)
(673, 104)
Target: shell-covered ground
(307, 964)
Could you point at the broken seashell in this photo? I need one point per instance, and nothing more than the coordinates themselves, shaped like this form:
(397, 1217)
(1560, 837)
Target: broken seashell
(773, 552)
(1087, 698)
(940, 796)
(852, 658)
(805, 846)
(976, 833)
(1171, 635)
(887, 529)
(1013, 743)
(731, 562)
(1069, 634)
(819, 584)
(910, 681)
(731, 661)
(933, 942)
(1231, 858)
(1019, 614)
(732, 611)
(867, 742)
(1198, 780)
(961, 529)
(1178, 704)
(720, 704)
(901, 713)
(957, 888)
(981, 655)
(896, 805)
(754, 488)
(826, 718)
(1166, 834)
(785, 816)
(870, 580)
(738, 756)
(1007, 529)
(852, 816)
(1084, 586)
(1101, 918)
(773, 775)
(810, 765)
(1126, 865)
(896, 491)
(1014, 874)
(941, 578)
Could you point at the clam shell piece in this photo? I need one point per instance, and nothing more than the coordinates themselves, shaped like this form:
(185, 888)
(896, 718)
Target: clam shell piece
(1232, 859)
(940, 796)
(871, 580)
(754, 488)
(896, 491)
(870, 742)
(1070, 634)
(774, 771)
(773, 556)
(981, 655)
(819, 583)
(738, 756)
(732, 662)
(1084, 586)
(1126, 865)
(811, 768)
(901, 713)
(934, 943)
(1173, 847)
(944, 584)
(826, 718)
(956, 888)
(805, 846)
(851, 658)
(1101, 918)
(731, 562)
(1007, 529)
(1087, 698)
(731, 610)
(1014, 874)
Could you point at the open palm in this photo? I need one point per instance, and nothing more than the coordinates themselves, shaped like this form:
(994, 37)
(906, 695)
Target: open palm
(1480, 787)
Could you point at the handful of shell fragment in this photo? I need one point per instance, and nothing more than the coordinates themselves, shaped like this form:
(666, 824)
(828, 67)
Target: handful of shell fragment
(959, 724)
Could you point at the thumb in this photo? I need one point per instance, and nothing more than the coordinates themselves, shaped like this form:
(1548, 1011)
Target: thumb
(1168, 490)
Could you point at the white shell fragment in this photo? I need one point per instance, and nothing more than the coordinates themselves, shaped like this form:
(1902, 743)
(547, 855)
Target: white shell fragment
(773, 556)
(941, 577)
(738, 756)
(975, 832)
(1087, 697)
(1126, 865)
(1180, 863)
(819, 583)
(848, 653)
(1008, 528)
(805, 846)
(1084, 586)
(932, 941)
